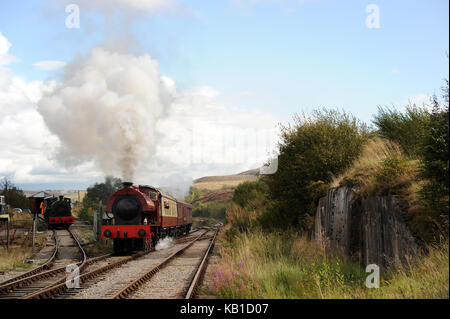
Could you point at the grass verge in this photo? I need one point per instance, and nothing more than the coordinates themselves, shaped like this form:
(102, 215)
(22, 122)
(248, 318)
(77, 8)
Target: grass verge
(276, 266)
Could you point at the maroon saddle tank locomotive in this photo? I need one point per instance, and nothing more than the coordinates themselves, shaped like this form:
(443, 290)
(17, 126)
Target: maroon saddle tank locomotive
(140, 215)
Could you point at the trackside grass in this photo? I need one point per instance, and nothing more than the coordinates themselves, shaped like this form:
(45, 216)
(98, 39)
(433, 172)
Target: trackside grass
(258, 265)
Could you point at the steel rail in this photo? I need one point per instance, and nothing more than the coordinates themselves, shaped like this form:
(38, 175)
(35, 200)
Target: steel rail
(24, 281)
(57, 289)
(46, 265)
(61, 287)
(200, 269)
(149, 274)
(81, 265)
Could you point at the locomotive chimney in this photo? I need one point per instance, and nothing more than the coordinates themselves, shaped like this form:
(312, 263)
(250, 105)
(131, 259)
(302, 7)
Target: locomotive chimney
(127, 184)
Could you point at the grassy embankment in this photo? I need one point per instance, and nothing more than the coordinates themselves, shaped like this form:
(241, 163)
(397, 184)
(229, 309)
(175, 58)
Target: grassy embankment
(258, 265)
(269, 264)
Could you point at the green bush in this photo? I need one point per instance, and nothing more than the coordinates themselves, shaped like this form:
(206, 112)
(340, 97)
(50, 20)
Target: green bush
(407, 129)
(312, 151)
(249, 192)
(212, 210)
(435, 168)
(394, 175)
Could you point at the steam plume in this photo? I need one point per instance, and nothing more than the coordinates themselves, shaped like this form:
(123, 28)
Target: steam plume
(106, 108)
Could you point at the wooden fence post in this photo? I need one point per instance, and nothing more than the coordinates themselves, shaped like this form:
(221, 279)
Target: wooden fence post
(94, 227)
(7, 235)
(34, 232)
(100, 220)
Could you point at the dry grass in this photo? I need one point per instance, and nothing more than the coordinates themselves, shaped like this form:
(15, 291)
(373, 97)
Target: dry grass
(381, 168)
(92, 248)
(258, 265)
(13, 259)
(214, 186)
(213, 183)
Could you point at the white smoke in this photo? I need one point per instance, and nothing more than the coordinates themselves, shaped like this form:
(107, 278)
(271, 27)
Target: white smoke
(176, 184)
(164, 243)
(106, 109)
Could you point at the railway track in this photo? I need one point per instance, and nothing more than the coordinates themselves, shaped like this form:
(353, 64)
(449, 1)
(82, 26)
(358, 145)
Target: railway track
(67, 250)
(46, 265)
(52, 283)
(93, 272)
(180, 273)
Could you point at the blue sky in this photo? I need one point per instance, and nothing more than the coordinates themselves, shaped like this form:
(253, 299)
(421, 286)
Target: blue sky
(280, 57)
(283, 57)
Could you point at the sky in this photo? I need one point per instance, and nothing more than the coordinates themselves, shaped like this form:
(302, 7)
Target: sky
(237, 68)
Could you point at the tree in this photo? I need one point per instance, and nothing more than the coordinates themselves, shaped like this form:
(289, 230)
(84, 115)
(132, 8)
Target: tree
(98, 192)
(14, 196)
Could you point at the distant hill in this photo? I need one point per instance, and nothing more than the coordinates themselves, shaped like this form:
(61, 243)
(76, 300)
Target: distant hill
(220, 196)
(213, 183)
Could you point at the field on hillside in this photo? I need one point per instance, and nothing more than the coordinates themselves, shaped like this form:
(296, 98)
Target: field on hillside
(212, 183)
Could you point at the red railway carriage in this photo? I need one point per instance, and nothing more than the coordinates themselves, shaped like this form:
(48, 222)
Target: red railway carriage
(142, 215)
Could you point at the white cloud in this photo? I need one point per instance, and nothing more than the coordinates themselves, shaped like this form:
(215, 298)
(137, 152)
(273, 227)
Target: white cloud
(4, 44)
(27, 144)
(5, 58)
(117, 110)
(395, 71)
(194, 133)
(247, 93)
(50, 65)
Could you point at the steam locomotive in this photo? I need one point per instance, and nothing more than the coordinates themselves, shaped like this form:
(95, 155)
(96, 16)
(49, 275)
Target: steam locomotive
(58, 212)
(142, 214)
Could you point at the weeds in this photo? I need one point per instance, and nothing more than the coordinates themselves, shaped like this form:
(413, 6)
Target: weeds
(258, 265)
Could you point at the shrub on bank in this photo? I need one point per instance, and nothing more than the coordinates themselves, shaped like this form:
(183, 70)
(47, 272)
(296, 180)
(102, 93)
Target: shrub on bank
(312, 150)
